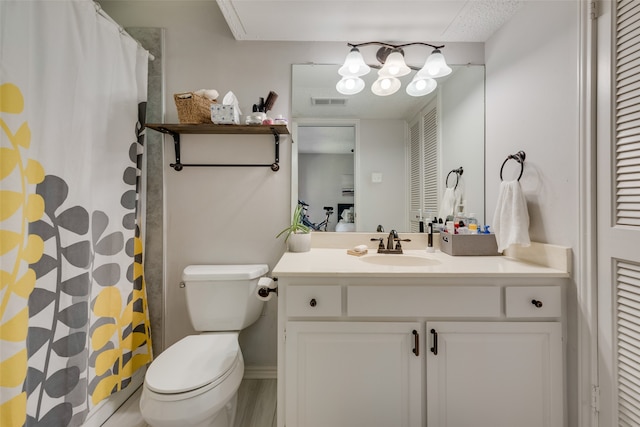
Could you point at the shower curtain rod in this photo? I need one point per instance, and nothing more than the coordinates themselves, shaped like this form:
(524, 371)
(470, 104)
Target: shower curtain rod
(104, 14)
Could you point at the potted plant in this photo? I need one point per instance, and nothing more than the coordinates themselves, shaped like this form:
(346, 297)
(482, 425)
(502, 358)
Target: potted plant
(297, 237)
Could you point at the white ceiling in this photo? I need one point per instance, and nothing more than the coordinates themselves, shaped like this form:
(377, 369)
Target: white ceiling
(367, 20)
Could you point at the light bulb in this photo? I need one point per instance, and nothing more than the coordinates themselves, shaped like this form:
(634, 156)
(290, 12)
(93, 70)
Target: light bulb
(394, 66)
(421, 85)
(350, 85)
(384, 86)
(354, 65)
(436, 65)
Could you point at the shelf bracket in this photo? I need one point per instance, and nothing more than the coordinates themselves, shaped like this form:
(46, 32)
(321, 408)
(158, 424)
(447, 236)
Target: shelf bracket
(276, 139)
(178, 165)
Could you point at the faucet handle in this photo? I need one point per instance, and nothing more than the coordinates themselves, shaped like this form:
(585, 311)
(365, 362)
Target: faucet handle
(398, 245)
(379, 240)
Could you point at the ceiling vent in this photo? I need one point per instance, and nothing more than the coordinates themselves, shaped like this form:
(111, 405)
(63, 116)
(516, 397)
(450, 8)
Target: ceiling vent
(328, 101)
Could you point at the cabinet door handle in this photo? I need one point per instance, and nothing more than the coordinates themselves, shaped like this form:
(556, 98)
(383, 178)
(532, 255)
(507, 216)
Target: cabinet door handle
(313, 302)
(416, 343)
(536, 303)
(434, 349)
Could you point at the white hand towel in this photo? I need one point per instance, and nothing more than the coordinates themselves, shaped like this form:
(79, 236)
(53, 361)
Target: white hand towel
(511, 218)
(448, 203)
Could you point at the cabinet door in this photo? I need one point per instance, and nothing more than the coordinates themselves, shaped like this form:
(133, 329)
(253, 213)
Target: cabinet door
(494, 374)
(353, 374)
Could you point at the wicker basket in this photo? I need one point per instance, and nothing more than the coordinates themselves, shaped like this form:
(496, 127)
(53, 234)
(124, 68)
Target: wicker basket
(193, 108)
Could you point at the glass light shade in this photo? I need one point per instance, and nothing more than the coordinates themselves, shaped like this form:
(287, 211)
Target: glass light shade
(354, 65)
(350, 85)
(394, 66)
(436, 65)
(385, 85)
(421, 85)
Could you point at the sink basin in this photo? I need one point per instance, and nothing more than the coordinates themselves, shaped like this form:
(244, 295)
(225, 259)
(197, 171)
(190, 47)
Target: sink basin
(400, 260)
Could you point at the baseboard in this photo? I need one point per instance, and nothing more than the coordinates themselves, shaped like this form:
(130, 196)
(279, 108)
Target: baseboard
(110, 405)
(260, 372)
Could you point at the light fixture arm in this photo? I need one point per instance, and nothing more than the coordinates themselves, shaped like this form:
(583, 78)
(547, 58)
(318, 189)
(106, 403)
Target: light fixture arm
(393, 46)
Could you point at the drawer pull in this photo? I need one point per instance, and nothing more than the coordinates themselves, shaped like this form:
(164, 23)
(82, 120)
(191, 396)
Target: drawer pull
(416, 343)
(434, 349)
(536, 303)
(313, 302)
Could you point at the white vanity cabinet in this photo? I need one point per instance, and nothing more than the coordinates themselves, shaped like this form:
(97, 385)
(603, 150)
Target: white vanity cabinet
(353, 374)
(494, 374)
(439, 348)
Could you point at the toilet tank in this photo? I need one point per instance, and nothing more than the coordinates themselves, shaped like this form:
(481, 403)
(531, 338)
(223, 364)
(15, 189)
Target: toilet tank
(223, 297)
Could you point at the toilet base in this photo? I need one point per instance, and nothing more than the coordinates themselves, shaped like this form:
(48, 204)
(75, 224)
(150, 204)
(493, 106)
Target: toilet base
(215, 407)
(226, 417)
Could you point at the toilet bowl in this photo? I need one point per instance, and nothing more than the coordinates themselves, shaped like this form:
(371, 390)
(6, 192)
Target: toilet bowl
(194, 382)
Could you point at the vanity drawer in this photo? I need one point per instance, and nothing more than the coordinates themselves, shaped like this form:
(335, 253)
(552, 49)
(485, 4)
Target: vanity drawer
(533, 301)
(314, 301)
(424, 301)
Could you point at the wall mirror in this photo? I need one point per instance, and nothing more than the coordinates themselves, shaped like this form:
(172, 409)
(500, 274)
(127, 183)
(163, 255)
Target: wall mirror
(386, 160)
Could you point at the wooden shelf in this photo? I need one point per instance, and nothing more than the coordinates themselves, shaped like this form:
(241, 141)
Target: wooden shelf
(181, 128)
(176, 129)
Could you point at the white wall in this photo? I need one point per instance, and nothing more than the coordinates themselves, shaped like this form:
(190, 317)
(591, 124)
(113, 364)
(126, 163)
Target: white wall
(231, 215)
(382, 150)
(532, 105)
(462, 112)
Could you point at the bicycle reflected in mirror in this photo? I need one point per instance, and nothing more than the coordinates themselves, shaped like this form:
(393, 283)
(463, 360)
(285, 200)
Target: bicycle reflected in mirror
(319, 226)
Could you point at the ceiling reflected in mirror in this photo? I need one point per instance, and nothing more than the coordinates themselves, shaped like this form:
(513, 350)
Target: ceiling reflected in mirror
(314, 95)
(326, 139)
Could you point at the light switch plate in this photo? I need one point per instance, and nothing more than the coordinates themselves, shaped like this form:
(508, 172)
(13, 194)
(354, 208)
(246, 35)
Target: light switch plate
(376, 177)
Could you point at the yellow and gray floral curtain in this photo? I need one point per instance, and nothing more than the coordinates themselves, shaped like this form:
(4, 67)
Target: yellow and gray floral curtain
(73, 314)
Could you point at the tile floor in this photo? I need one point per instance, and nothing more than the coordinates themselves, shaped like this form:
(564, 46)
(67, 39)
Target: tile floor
(256, 407)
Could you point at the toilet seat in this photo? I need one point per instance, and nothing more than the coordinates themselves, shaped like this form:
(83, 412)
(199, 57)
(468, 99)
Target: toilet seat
(193, 363)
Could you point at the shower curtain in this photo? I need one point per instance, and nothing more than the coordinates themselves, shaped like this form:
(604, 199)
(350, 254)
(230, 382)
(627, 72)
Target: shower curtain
(73, 313)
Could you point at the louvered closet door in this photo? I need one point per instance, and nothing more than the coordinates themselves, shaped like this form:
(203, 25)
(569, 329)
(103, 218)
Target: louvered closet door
(618, 211)
(424, 146)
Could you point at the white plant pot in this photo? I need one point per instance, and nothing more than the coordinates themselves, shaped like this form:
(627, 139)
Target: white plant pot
(299, 242)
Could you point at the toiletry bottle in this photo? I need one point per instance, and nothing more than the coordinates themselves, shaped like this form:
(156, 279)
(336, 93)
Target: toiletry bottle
(471, 219)
(460, 219)
(430, 238)
(450, 227)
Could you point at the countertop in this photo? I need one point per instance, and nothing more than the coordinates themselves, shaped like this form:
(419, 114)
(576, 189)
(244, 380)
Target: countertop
(332, 262)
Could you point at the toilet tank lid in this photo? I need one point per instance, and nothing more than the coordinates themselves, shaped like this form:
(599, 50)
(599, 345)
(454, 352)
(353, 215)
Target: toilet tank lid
(194, 273)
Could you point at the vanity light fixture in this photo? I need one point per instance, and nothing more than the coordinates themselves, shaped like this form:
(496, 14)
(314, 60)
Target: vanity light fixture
(393, 66)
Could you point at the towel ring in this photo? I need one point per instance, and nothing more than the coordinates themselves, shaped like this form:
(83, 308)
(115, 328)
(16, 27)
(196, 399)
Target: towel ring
(518, 157)
(458, 173)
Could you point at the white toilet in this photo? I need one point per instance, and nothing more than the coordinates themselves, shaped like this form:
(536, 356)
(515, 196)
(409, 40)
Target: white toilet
(194, 382)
